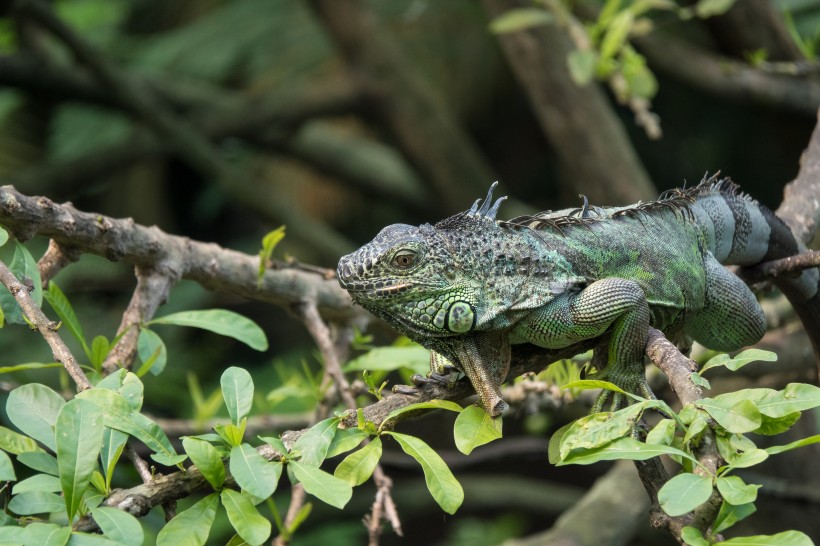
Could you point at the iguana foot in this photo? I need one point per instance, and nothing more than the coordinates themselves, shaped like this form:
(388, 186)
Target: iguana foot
(613, 401)
(408, 390)
(434, 378)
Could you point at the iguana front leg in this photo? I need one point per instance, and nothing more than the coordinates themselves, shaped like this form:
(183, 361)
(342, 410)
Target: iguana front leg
(484, 357)
(612, 304)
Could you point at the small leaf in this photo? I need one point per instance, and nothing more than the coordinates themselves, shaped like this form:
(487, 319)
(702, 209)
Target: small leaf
(441, 483)
(616, 34)
(33, 408)
(684, 493)
(59, 302)
(475, 427)
(554, 452)
(709, 8)
(25, 270)
(786, 538)
(40, 461)
(38, 482)
(16, 443)
(230, 433)
(192, 526)
(693, 537)
(663, 433)
(740, 360)
(730, 514)
(119, 525)
(748, 458)
(581, 64)
(771, 426)
(357, 467)
(269, 243)
(325, 487)
(773, 450)
(740, 417)
(4, 236)
(245, 518)
(79, 431)
(152, 352)
(28, 365)
(99, 350)
(702, 382)
(623, 448)
(517, 19)
(6, 468)
(313, 445)
(275, 443)
(344, 440)
(431, 404)
(253, 473)
(220, 321)
(36, 502)
(735, 490)
(237, 391)
(207, 460)
(47, 534)
(598, 429)
(386, 359)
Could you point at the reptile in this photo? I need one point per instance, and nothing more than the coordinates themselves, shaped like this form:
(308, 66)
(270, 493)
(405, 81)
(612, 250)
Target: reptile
(470, 286)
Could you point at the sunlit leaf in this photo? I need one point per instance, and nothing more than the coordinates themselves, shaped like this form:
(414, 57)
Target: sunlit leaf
(684, 493)
(220, 321)
(735, 490)
(357, 467)
(253, 473)
(245, 518)
(313, 445)
(33, 408)
(237, 392)
(207, 460)
(325, 487)
(119, 525)
(79, 431)
(192, 526)
(475, 427)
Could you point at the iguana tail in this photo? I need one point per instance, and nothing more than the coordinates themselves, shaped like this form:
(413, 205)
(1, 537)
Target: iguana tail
(741, 231)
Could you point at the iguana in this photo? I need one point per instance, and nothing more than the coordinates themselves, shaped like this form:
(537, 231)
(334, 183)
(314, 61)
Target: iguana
(470, 286)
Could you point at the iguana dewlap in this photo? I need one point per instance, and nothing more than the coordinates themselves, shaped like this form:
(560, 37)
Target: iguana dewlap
(470, 286)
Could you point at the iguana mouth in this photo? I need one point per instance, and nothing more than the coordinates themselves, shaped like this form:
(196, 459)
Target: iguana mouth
(375, 288)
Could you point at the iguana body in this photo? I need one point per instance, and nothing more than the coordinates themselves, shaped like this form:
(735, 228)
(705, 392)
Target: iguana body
(470, 286)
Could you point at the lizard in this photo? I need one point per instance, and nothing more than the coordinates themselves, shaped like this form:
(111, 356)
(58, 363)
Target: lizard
(471, 286)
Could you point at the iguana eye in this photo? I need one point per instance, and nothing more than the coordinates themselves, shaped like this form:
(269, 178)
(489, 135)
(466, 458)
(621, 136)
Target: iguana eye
(404, 259)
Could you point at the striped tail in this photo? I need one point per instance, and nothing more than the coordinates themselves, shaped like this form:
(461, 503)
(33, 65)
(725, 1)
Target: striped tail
(741, 231)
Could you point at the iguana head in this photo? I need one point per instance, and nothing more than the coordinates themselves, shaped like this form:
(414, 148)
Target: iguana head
(416, 278)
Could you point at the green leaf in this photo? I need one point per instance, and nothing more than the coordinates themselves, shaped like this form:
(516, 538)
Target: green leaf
(591, 384)
(616, 34)
(475, 427)
(253, 473)
(663, 433)
(127, 384)
(443, 486)
(740, 417)
(119, 525)
(748, 458)
(740, 360)
(28, 365)
(598, 429)
(230, 433)
(730, 514)
(47, 534)
(33, 408)
(516, 19)
(89, 539)
(357, 467)
(99, 350)
(118, 414)
(684, 493)
(25, 269)
(709, 8)
(192, 526)
(771, 426)
(735, 490)
(36, 502)
(623, 448)
(702, 382)
(40, 461)
(386, 359)
(13, 534)
(693, 536)
(325, 487)
(6, 468)
(431, 404)
(344, 440)
(152, 352)
(38, 482)
(581, 64)
(79, 431)
(245, 518)
(16, 443)
(59, 302)
(269, 243)
(786, 538)
(237, 391)
(275, 443)
(207, 460)
(220, 321)
(554, 452)
(4, 236)
(314, 444)
(795, 397)
(773, 450)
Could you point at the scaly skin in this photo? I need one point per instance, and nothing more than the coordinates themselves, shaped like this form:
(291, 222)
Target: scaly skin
(470, 286)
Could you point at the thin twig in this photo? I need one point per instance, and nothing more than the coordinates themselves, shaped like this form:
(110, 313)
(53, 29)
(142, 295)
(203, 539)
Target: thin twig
(782, 267)
(297, 500)
(47, 328)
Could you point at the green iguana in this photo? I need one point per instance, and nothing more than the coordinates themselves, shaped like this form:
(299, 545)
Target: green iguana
(470, 286)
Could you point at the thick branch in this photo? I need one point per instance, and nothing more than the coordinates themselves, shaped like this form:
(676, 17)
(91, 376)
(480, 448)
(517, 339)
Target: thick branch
(800, 208)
